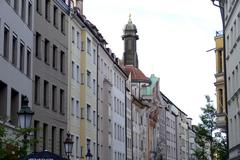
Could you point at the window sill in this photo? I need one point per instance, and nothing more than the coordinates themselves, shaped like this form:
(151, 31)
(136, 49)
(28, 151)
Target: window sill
(46, 106)
(47, 63)
(38, 57)
(54, 68)
(54, 110)
(55, 25)
(37, 103)
(39, 12)
(47, 19)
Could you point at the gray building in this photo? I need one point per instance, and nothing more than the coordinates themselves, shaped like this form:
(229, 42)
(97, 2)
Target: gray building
(16, 50)
(232, 37)
(179, 134)
(50, 74)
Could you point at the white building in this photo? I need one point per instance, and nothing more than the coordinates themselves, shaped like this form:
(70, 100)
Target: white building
(118, 114)
(16, 52)
(232, 37)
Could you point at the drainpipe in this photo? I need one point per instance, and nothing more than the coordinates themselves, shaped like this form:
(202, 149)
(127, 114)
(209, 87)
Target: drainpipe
(97, 104)
(126, 128)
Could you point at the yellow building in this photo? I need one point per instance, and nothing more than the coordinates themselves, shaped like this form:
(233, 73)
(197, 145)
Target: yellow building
(88, 90)
(221, 105)
(74, 83)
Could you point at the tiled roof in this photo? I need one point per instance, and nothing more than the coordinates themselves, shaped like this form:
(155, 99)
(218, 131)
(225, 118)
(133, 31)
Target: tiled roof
(136, 74)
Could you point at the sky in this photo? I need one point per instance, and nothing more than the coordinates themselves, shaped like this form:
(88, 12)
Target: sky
(174, 36)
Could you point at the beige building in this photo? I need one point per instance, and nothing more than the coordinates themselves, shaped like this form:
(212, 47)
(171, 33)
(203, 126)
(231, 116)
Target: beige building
(74, 81)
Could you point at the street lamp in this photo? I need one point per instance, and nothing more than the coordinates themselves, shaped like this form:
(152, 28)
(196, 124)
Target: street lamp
(25, 114)
(89, 155)
(25, 117)
(68, 145)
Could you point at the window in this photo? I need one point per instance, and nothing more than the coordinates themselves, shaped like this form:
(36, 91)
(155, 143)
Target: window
(61, 141)
(54, 58)
(16, 5)
(94, 56)
(63, 23)
(89, 46)
(77, 109)
(38, 6)
(6, 43)
(61, 101)
(82, 78)
(62, 62)
(45, 136)
(77, 146)
(78, 73)
(3, 99)
(36, 135)
(37, 90)
(47, 10)
(82, 113)
(88, 112)
(53, 138)
(73, 109)
(94, 86)
(55, 16)
(14, 50)
(45, 93)
(46, 51)
(115, 130)
(78, 40)
(38, 45)
(23, 12)
(14, 107)
(89, 78)
(73, 34)
(54, 98)
(88, 144)
(22, 55)
(73, 77)
(94, 117)
(30, 15)
(115, 105)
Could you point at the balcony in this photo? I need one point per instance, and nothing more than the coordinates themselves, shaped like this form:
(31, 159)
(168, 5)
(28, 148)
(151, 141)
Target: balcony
(221, 121)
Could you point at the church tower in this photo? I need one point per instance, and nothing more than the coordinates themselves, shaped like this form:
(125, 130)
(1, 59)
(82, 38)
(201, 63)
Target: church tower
(130, 38)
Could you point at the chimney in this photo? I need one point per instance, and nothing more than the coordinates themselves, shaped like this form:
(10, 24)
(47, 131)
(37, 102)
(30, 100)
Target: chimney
(79, 4)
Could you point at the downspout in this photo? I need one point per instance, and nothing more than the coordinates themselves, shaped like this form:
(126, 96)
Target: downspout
(97, 104)
(126, 128)
(132, 125)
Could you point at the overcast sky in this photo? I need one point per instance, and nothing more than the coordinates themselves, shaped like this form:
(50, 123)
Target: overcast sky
(174, 36)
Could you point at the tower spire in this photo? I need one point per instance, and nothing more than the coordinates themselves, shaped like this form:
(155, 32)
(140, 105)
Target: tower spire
(130, 38)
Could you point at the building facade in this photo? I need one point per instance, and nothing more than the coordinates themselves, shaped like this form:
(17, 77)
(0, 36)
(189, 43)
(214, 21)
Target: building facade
(50, 75)
(232, 36)
(88, 91)
(16, 57)
(221, 104)
(75, 27)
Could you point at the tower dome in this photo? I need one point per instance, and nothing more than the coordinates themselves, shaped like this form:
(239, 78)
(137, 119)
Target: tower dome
(130, 26)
